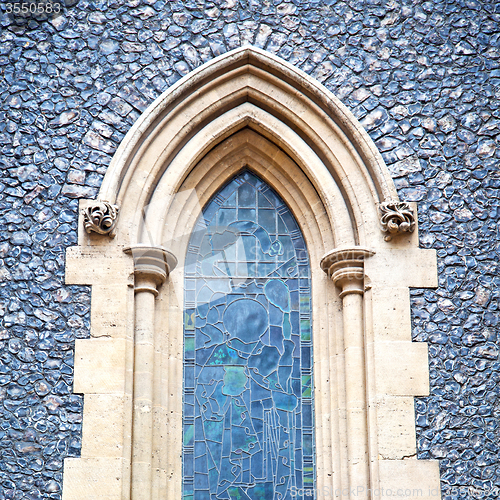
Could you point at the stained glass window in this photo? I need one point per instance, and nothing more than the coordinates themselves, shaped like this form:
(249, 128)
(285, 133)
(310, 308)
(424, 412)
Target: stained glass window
(248, 402)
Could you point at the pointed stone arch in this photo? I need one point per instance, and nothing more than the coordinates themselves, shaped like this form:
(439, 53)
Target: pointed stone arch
(248, 109)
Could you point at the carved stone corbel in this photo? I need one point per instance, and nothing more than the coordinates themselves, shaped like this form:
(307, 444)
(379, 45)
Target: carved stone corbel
(100, 218)
(396, 217)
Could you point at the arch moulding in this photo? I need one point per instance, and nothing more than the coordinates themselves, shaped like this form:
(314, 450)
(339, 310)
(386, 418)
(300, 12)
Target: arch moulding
(248, 109)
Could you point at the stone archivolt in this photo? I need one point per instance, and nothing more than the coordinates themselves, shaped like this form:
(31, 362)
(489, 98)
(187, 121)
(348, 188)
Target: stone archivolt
(248, 109)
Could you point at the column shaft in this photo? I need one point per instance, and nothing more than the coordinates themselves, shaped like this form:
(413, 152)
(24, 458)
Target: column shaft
(142, 426)
(152, 266)
(346, 269)
(354, 359)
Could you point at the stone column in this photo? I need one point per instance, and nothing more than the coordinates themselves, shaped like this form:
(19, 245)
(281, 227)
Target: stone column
(152, 266)
(346, 269)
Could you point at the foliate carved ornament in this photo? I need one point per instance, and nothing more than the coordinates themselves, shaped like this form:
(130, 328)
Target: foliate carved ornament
(396, 217)
(100, 217)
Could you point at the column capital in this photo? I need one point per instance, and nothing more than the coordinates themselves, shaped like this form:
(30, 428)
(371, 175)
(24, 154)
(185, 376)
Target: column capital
(345, 266)
(152, 265)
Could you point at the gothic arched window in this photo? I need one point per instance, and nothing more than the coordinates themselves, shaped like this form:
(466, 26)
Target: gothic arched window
(248, 408)
(229, 279)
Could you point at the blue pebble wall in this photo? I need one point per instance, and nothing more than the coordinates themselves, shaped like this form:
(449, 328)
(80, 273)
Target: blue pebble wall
(422, 77)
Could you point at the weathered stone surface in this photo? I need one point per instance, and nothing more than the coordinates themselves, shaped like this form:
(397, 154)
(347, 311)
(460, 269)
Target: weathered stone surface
(404, 167)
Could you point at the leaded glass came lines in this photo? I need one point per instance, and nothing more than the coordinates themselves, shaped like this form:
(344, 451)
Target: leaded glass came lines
(248, 400)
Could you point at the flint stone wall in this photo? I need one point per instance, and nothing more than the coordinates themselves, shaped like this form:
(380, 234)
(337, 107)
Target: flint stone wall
(424, 80)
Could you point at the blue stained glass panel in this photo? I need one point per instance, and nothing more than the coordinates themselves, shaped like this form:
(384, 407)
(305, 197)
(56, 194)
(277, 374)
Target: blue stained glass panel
(248, 398)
